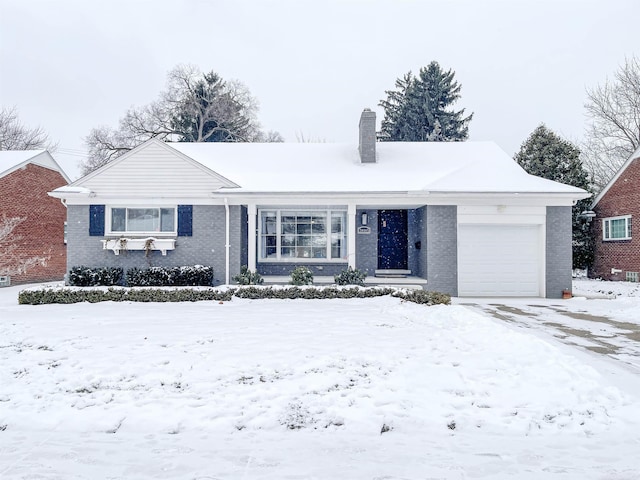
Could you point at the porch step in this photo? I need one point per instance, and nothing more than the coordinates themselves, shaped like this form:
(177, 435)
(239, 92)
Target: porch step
(392, 273)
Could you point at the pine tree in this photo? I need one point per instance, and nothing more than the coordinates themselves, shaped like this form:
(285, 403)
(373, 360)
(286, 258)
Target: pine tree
(419, 110)
(548, 155)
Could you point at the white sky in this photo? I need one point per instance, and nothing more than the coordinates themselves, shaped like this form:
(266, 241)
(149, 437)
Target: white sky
(69, 65)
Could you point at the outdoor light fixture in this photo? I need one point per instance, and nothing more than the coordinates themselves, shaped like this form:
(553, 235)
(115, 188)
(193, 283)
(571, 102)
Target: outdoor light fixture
(364, 219)
(588, 215)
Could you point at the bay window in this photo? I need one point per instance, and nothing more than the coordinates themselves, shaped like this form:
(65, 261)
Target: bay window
(295, 235)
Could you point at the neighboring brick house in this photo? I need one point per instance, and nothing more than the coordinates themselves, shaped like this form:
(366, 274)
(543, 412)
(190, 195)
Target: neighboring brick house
(25, 178)
(616, 227)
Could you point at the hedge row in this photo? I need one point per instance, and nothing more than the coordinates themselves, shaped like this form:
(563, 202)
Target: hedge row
(67, 295)
(185, 276)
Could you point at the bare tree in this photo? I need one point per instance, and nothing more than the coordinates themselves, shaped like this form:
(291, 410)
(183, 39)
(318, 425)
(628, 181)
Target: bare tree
(14, 135)
(613, 133)
(271, 137)
(12, 260)
(194, 107)
(302, 138)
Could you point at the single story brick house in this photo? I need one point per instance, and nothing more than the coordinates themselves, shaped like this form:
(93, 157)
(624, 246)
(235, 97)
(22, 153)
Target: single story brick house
(460, 217)
(26, 176)
(616, 227)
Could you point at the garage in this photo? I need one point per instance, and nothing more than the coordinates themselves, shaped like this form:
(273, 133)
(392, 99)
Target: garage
(499, 260)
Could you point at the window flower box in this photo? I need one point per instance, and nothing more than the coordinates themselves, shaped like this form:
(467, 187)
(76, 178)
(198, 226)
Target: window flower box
(147, 244)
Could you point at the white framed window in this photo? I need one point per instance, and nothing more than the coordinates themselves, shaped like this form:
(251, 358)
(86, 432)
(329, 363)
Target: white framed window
(616, 228)
(141, 220)
(292, 235)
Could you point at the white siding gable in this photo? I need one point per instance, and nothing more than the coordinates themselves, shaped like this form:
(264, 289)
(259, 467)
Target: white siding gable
(154, 170)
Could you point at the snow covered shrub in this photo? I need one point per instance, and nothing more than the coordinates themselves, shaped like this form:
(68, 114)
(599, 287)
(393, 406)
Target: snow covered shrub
(66, 295)
(247, 277)
(424, 297)
(191, 276)
(88, 277)
(150, 277)
(301, 276)
(350, 276)
(196, 275)
(61, 295)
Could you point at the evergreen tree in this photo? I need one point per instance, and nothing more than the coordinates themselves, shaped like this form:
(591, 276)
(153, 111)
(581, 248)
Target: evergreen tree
(547, 155)
(419, 110)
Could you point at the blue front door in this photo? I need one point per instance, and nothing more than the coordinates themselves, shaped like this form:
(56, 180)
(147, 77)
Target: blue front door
(392, 239)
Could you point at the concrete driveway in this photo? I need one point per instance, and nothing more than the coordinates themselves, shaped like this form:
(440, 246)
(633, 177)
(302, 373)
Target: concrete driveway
(579, 323)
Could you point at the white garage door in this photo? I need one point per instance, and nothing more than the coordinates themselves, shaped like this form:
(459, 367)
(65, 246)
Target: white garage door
(499, 260)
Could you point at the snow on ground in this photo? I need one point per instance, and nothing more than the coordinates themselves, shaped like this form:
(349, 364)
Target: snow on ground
(605, 289)
(273, 389)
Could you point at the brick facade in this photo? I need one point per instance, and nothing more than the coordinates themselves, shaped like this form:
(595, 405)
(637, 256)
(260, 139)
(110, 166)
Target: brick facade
(622, 198)
(206, 245)
(24, 194)
(559, 251)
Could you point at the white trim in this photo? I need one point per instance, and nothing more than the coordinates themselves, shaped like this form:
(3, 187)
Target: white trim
(49, 163)
(227, 242)
(351, 235)
(626, 228)
(252, 236)
(502, 214)
(368, 200)
(150, 243)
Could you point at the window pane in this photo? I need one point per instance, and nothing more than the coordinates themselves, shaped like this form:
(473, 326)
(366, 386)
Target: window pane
(304, 240)
(337, 250)
(167, 219)
(337, 223)
(629, 227)
(143, 219)
(302, 228)
(618, 228)
(288, 240)
(269, 246)
(269, 223)
(118, 222)
(288, 227)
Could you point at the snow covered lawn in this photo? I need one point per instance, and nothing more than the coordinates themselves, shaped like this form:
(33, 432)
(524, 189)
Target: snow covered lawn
(273, 389)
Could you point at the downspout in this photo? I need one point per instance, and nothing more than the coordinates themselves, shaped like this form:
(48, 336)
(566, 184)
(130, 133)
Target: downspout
(227, 244)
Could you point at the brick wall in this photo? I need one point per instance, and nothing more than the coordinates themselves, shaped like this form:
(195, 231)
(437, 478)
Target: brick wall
(205, 247)
(442, 248)
(558, 251)
(622, 198)
(24, 194)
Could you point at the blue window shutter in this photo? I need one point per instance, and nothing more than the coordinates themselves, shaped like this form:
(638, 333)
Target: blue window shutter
(96, 220)
(185, 220)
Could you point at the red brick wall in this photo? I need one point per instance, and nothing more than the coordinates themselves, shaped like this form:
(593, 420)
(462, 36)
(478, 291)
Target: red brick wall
(622, 198)
(24, 194)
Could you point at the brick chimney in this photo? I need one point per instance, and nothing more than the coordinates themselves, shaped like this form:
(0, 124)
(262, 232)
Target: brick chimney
(367, 145)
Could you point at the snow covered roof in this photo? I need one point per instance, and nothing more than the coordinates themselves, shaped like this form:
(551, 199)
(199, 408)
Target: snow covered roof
(12, 160)
(400, 167)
